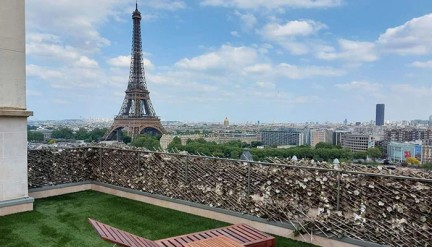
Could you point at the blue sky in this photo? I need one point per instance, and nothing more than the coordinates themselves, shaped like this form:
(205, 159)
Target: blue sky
(249, 60)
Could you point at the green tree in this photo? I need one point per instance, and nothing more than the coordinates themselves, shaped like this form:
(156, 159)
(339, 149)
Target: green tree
(97, 134)
(35, 136)
(175, 144)
(31, 127)
(374, 152)
(255, 144)
(63, 133)
(235, 154)
(427, 166)
(324, 145)
(147, 141)
(127, 139)
(360, 155)
(82, 134)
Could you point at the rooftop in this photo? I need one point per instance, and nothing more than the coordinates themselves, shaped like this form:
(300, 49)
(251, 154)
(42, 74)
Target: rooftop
(352, 204)
(62, 221)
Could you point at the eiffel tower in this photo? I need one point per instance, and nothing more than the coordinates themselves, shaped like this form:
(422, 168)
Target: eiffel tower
(136, 115)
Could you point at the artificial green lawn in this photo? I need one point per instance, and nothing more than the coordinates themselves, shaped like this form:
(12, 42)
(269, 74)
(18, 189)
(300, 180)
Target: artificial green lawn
(62, 221)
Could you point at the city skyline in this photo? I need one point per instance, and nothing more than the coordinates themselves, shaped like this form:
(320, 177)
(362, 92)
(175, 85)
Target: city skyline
(282, 61)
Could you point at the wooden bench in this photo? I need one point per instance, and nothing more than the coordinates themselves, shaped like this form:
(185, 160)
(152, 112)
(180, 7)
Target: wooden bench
(120, 237)
(219, 241)
(240, 234)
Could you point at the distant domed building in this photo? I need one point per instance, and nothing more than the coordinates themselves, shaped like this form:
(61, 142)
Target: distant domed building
(226, 122)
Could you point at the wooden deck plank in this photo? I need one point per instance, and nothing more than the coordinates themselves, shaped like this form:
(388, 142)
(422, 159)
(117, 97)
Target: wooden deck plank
(175, 243)
(252, 234)
(240, 234)
(219, 241)
(194, 237)
(181, 241)
(131, 239)
(101, 229)
(169, 244)
(243, 233)
(259, 233)
(117, 236)
(233, 236)
(120, 237)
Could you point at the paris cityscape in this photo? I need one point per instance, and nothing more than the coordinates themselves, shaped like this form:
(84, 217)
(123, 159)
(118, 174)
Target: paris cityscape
(215, 123)
(283, 128)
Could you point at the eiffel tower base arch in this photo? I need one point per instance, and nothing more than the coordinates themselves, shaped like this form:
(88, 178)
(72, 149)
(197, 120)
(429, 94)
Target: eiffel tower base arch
(135, 127)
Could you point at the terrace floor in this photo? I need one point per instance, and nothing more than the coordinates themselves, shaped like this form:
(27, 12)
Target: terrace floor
(62, 221)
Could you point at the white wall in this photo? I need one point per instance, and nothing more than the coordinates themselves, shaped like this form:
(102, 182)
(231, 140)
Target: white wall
(13, 117)
(13, 158)
(12, 54)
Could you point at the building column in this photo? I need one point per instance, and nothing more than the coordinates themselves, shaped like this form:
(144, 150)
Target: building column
(13, 114)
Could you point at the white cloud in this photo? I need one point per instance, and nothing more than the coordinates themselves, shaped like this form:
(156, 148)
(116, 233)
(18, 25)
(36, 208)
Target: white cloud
(301, 72)
(287, 35)
(171, 5)
(274, 4)
(290, 71)
(120, 61)
(259, 68)
(51, 48)
(425, 64)
(412, 38)
(244, 61)
(413, 91)
(77, 21)
(305, 99)
(263, 48)
(296, 28)
(34, 37)
(233, 74)
(124, 62)
(68, 76)
(227, 57)
(284, 70)
(296, 47)
(42, 72)
(182, 80)
(86, 62)
(349, 50)
(275, 96)
(77, 78)
(363, 91)
(249, 20)
(360, 86)
(235, 34)
(148, 64)
(267, 85)
(204, 62)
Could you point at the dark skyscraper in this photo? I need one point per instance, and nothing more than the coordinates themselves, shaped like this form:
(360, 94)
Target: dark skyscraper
(379, 120)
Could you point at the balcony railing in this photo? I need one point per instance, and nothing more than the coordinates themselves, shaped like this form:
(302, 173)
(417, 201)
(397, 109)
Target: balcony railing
(381, 208)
